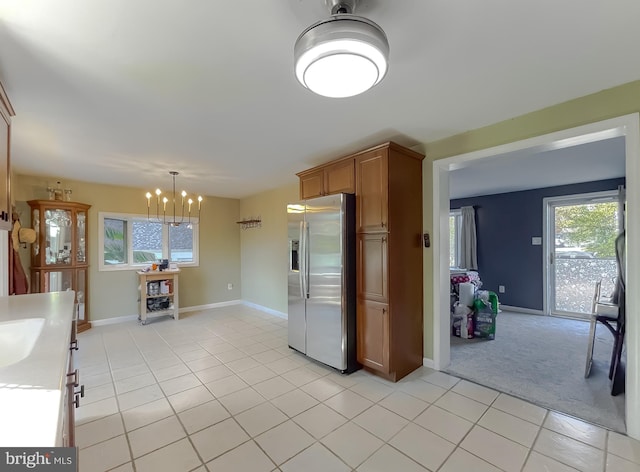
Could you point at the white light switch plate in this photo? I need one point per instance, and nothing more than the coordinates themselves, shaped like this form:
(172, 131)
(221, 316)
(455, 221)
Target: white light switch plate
(536, 241)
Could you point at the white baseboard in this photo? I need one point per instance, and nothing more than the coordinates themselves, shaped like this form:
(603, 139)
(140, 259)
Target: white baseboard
(428, 363)
(518, 309)
(277, 313)
(188, 309)
(117, 319)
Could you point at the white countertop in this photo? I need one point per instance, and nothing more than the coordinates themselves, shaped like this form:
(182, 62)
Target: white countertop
(32, 384)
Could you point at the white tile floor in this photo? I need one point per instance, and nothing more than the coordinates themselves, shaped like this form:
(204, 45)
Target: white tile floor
(220, 390)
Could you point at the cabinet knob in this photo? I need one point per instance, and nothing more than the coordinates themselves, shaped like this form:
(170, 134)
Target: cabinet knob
(384, 239)
(383, 224)
(384, 311)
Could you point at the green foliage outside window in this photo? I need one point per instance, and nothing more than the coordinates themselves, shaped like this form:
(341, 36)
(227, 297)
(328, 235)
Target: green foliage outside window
(592, 227)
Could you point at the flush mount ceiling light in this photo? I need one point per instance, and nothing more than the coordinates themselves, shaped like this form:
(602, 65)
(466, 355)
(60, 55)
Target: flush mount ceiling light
(342, 56)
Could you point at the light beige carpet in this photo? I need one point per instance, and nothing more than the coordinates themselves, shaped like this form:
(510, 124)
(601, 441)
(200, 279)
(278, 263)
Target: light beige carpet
(541, 359)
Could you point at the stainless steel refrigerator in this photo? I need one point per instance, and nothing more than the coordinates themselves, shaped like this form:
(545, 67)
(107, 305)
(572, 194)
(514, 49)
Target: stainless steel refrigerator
(322, 280)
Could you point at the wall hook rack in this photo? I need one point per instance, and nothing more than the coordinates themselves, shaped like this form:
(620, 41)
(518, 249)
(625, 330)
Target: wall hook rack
(253, 222)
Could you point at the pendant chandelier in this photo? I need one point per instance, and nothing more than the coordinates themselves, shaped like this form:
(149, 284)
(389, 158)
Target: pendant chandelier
(172, 220)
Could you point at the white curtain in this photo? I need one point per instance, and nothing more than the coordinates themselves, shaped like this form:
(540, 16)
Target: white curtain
(468, 244)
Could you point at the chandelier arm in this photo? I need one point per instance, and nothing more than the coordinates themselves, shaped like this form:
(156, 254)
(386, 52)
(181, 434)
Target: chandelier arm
(172, 220)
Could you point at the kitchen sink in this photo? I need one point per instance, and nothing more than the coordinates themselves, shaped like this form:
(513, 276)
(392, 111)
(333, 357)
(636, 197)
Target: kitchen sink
(17, 339)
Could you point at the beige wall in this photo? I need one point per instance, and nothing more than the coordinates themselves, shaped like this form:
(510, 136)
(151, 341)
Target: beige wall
(113, 294)
(603, 105)
(264, 249)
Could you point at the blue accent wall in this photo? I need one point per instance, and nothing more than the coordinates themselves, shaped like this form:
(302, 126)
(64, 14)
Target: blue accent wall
(505, 224)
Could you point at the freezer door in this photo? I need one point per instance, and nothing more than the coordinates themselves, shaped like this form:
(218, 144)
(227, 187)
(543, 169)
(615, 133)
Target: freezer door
(325, 331)
(296, 285)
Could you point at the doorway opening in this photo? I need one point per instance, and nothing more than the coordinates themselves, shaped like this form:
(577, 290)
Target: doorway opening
(627, 126)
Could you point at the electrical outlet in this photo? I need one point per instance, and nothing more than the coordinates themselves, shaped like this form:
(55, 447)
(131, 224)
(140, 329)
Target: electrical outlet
(501, 288)
(229, 286)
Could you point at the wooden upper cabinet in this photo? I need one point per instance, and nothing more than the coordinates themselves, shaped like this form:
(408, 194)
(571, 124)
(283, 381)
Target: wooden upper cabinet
(337, 177)
(340, 177)
(372, 190)
(312, 184)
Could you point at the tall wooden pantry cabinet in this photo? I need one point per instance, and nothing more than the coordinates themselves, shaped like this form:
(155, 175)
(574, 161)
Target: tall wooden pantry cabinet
(60, 256)
(388, 188)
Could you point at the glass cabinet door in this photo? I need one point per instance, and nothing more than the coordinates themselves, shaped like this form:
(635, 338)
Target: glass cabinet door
(58, 281)
(35, 247)
(81, 279)
(81, 217)
(58, 234)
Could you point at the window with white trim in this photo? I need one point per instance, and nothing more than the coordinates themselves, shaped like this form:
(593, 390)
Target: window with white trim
(130, 242)
(455, 222)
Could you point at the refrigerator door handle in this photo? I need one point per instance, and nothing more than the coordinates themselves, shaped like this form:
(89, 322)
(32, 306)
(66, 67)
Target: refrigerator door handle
(306, 259)
(301, 261)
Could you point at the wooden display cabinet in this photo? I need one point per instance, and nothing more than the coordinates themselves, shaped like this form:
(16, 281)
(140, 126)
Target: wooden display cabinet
(59, 257)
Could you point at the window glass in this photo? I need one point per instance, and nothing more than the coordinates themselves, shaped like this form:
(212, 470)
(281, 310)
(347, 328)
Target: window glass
(452, 241)
(455, 221)
(181, 243)
(132, 242)
(115, 241)
(146, 241)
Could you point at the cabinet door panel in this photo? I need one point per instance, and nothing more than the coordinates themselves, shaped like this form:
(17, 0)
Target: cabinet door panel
(312, 185)
(373, 268)
(340, 177)
(372, 191)
(373, 335)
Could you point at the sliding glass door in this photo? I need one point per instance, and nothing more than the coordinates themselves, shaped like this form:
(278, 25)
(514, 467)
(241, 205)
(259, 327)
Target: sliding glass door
(580, 250)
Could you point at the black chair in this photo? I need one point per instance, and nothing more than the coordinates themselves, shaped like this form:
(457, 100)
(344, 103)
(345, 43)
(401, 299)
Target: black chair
(611, 313)
(604, 311)
(616, 370)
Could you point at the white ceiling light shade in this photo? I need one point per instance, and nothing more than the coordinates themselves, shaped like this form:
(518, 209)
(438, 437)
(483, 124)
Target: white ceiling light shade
(342, 56)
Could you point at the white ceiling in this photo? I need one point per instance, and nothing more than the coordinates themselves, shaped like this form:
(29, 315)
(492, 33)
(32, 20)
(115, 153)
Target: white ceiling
(528, 169)
(121, 92)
